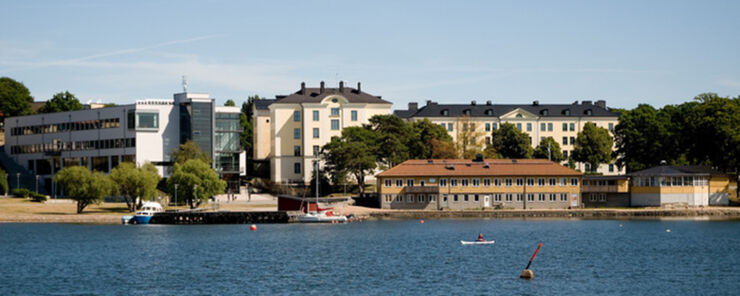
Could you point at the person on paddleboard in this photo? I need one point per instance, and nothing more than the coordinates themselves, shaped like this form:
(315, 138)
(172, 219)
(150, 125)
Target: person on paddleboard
(480, 238)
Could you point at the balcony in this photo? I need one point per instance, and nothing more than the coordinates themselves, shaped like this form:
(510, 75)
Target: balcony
(601, 188)
(422, 189)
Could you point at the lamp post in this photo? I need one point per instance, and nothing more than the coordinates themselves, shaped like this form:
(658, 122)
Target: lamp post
(37, 183)
(176, 195)
(17, 180)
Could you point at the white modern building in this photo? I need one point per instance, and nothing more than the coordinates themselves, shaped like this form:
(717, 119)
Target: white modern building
(146, 131)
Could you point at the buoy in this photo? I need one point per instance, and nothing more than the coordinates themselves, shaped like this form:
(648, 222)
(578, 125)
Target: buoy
(421, 221)
(253, 227)
(527, 273)
(667, 230)
(620, 225)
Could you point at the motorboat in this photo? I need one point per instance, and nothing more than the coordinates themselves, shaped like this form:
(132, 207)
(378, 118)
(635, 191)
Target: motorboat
(148, 209)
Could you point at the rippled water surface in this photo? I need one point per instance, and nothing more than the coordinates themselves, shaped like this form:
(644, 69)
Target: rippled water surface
(375, 258)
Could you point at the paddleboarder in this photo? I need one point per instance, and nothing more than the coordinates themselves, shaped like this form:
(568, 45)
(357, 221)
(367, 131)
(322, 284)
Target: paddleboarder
(480, 238)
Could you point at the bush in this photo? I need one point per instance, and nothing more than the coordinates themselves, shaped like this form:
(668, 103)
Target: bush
(38, 197)
(21, 192)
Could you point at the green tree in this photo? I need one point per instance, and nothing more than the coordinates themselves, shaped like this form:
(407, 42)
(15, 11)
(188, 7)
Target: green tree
(189, 151)
(510, 142)
(443, 149)
(246, 138)
(549, 149)
(593, 146)
(714, 131)
(230, 103)
(351, 154)
(135, 183)
(4, 182)
(642, 138)
(425, 132)
(60, 102)
(15, 99)
(467, 138)
(84, 186)
(394, 135)
(197, 182)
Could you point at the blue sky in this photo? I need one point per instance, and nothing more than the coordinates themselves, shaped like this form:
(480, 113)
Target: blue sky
(625, 52)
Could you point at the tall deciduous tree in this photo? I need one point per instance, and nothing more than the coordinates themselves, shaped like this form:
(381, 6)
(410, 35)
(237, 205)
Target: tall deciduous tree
(425, 132)
(197, 182)
(549, 149)
(351, 154)
(15, 99)
(510, 142)
(393, 135)
(4, 182)
(189, 151)
(643, 138)
(84, 186)
(60, 102)
(467, 137)
(593, 146)
(133, 182)
(443, 149)
(230, 103)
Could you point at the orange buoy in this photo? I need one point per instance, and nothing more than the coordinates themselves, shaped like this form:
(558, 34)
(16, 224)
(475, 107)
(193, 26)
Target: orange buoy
(253, 227)
(421, 221)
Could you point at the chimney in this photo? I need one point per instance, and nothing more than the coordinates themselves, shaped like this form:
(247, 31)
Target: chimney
(488, 103)
(303, 88)
(413, 106)
(341, 86)
(536, 103)
(358, 87)
(601, 103)
(472, 102)
(321, 89)
(429, 102)
(586, 102)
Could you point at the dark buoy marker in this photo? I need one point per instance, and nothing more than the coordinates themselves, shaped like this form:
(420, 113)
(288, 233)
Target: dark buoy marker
(527, 273)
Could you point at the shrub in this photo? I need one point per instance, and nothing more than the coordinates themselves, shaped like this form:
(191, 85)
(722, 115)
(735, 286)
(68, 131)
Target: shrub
(21, 192)
(38, 197)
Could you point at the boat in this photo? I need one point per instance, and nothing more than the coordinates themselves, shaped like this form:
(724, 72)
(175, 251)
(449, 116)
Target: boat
(319, 215)
(485, 242)
(148, 209)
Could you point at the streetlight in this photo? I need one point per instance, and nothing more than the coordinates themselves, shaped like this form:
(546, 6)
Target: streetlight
(37, 183)
(17, 180)
(176, 194)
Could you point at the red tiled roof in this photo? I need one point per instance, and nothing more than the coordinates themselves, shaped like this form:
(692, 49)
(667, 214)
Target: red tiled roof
(488, 167)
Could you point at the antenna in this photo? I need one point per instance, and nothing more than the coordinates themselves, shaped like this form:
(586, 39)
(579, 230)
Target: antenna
(184, 84)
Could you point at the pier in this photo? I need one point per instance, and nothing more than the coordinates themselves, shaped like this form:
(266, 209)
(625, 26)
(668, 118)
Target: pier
(220, 217)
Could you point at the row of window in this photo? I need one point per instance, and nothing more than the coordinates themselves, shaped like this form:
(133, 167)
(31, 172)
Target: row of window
(599, 182)
(656, 181)
(597, 197)
(315, 114)
(73, 146)
(316, 131)
(476, 182)
(66, 127)
(497, 197)
(545, 127)
(297, 150)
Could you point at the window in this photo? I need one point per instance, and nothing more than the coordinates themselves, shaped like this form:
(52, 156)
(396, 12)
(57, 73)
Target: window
(487, 182)
(409, 182)
(449, 127)
(611, 168)
(541, 197)
(444, 125)
(454, 198)
(573, 181)
(335, 124)
(530, 181)
(353, 115)
(508, 182)
(465, 197)
(497, 182)
(316, 150)
(611, 127)
(488, 127)
(602, 197)
(488, 140)
(497, 197)
(453, 182)
(572, 127)
(565, 154)
(475, 197)
(147, 120)
(296, 115)
(316, 133)
(543, 127)
(519, 182)
(553, 181)
(572, 140)
(563, 181)
(334, 111)
(422, 183)
(409, 198)
(519, 126)
(549, 127)
(421, 198)
(565, 127)
(563, 197)
(296, 150)
(297, 167)
(494, 126)
(541, 182)
(565, 140)
(432, 197)
(445, 112)
(296, 133)
(530, 197)
(592, 197)
(399, 183)
(315, 115)
(476, 182)
(529, 126)
(519, 197)
(387, 182)
(464, 182)
(508, 196)
(442, 182)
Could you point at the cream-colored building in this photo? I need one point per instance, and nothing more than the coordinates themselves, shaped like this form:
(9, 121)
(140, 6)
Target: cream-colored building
(562, 122)
(296, 126)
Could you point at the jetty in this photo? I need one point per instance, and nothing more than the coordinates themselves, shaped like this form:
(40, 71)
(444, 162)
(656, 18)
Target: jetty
(219, 217)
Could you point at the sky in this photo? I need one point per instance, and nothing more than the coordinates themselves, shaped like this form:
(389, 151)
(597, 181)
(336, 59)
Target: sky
(510, 52)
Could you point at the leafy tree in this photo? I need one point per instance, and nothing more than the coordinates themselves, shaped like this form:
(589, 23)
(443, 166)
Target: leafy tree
(84, 186)
(230, 103)
(714, 130)
(189, 151)
(510, 142)
(133, 182)
(550, 149)
(643, 138)
(467, 138)
(15, 99)
(443, 149)
(197, 182)
(393, 135)
(60, 102)
(351, 154)
(425, 132)
(593, 146)
(4, 182)
(247, 136)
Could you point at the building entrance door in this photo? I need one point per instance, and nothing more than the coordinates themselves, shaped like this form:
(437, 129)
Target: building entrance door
(486, 201)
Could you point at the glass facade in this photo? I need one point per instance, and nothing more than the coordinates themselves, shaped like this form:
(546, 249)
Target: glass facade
(196, 124)
(227, 142)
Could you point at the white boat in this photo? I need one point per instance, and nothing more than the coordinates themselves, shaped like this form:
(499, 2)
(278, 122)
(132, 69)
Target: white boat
(490, 242)
(321, 217)
(148, 209)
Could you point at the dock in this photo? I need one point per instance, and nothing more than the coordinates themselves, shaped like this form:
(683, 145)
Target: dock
(219, 217)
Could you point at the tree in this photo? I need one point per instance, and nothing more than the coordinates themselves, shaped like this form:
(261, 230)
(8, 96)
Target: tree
(230, 103)
(135, 183)
(351, 154)
(467, 138)
(84, 186)
(394, 136)
(443, 149)
(247, 136)
(593, 146)
(15, 99)
(714, 132)
(197, 182)
(510, 142)
(4, 182)
(189, 151)
(642, 138)
(425, 132)
(60, 102)
(549, 149)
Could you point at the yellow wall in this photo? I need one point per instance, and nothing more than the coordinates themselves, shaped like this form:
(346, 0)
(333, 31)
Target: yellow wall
(481, 189)
(723, 184)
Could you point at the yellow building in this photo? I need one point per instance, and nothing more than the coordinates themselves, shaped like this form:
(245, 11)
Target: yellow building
(302, 122)
(605, 191)
(461, 184)
(682, 185)
(562, 122)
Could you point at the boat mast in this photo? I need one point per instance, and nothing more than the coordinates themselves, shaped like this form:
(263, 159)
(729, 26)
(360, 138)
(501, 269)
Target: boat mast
(316, 176)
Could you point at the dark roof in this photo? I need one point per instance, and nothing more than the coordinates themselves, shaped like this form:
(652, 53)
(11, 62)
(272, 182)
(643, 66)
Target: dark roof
(605, 177)
(432, 109)
(262, 104)
(677, 170)
(316, 95)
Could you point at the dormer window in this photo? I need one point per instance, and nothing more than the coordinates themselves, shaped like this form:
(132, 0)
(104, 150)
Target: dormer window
(588, 112)
(519, 115)
(544, 112)
(489, 112)
(466, 112)
(445, 112)
(566, 112)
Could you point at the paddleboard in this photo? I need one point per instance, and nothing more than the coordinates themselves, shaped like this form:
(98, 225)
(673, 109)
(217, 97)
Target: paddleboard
(477, 242)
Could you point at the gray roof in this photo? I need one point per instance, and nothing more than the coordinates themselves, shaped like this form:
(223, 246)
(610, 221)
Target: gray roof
(262, 104)
(677, 170)
(432, 109)
(316, 95)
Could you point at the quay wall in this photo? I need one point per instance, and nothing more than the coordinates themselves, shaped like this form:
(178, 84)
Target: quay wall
(712, 213)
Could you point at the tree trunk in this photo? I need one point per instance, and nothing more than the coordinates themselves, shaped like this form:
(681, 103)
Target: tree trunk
(81, 206)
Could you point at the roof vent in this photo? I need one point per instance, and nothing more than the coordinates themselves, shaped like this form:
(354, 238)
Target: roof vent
(489, 103)
(478, 157)
(429, 102)
(321, 88)
(341, 86)
(450, 167)
(413, 107)
(473, 102)
(536, 103)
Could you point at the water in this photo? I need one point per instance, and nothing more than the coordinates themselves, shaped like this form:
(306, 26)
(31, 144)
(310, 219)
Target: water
(591, 257)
